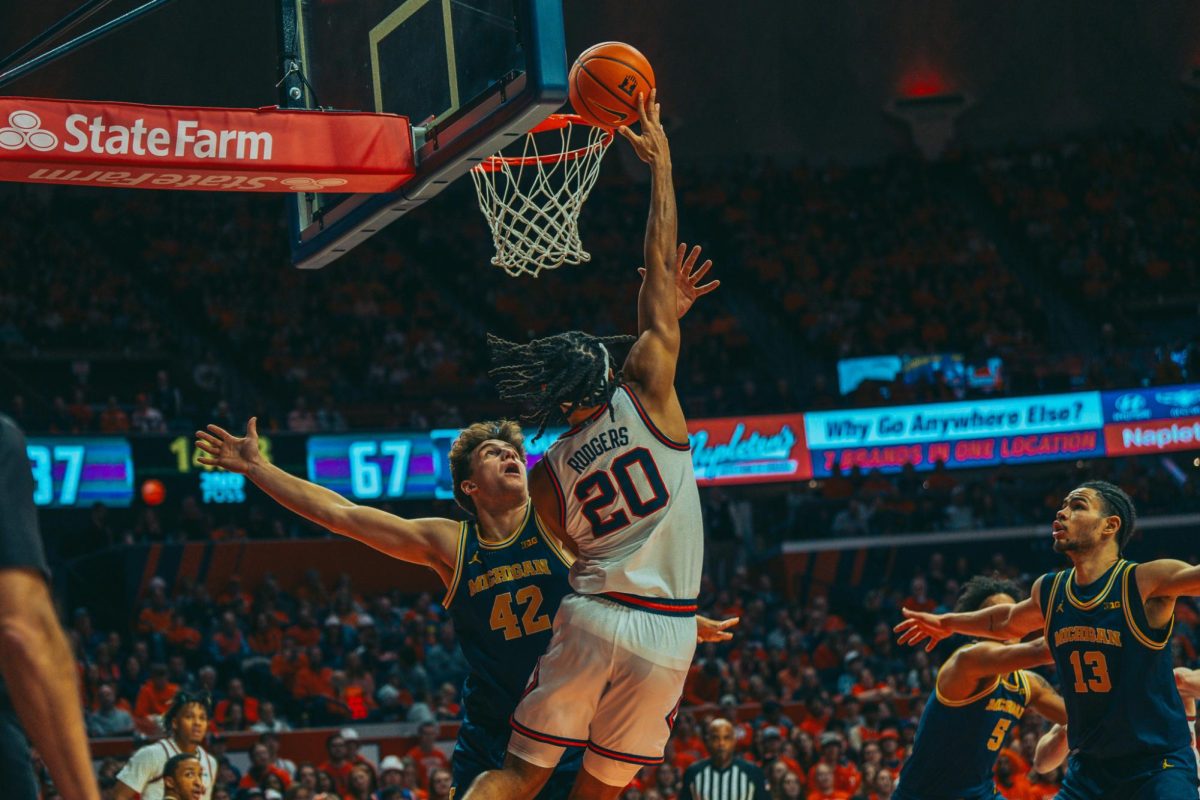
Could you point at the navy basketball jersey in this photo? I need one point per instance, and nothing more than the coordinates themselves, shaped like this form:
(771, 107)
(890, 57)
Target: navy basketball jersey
(1115, 670)
(503, 598)
(958, 741)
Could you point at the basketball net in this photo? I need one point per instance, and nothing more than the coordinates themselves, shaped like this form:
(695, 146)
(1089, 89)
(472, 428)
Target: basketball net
(532, 201)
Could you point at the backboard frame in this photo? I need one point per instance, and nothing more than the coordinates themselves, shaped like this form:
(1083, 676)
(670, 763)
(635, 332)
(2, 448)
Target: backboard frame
(443, 152)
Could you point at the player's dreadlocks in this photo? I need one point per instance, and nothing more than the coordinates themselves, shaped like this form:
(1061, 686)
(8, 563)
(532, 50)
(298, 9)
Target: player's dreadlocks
(571, 367)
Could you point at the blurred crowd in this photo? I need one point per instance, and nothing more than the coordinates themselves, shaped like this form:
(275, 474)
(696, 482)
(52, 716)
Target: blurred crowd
(158, 311)
(820, 694)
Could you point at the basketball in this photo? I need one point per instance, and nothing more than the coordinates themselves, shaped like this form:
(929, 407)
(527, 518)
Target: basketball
(605, 81)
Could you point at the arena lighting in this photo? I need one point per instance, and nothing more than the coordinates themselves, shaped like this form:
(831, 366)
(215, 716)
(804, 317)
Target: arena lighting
(923, 83)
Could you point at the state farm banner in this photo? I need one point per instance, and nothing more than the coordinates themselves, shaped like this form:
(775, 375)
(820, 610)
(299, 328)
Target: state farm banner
(206, 149)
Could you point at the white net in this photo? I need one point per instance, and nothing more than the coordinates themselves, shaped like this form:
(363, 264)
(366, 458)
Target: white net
(532, 201)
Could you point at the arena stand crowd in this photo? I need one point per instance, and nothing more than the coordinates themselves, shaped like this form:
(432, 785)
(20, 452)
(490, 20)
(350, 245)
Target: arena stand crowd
(209, 322)
(821, 695)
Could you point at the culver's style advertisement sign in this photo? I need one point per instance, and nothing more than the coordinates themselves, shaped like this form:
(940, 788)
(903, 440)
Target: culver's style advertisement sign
(749, 449)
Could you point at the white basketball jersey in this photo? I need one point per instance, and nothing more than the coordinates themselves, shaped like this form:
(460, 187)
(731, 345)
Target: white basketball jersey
(629, 500)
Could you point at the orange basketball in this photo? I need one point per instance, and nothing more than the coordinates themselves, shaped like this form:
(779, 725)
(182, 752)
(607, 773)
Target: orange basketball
(605, 82)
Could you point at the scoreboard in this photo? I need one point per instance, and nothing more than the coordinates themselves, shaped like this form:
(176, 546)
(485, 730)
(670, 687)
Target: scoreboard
(78, 472)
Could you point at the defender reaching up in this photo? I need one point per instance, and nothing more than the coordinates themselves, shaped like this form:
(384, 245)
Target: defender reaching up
(1107, 622)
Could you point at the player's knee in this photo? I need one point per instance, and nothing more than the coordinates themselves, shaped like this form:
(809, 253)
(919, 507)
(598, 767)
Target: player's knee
(602, 778)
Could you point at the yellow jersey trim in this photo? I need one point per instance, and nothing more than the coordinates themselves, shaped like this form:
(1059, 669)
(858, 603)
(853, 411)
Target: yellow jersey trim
(1099, 598)
(1137, 632)
(552, 542)
(1026, 685)
(458, 565)
(1048, 609)
(1012, 681)
(512, 537)
(937, 688)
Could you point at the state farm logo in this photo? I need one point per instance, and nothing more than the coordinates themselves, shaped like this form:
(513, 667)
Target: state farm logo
(312, 184)
(184, 138)
(25, 130)
(1129, 407)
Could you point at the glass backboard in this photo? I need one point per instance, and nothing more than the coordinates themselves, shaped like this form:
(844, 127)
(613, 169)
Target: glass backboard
(470, 75)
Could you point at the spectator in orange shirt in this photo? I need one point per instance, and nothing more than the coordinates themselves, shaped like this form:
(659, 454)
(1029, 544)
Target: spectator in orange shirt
(1012, 784)
(228, 643)
(314, 679)
(154, 697)
(883, 785)
(361, 783)
(819, 714)
(267, 639)
(441, 781)
(823, 788)
(237, 694)
(426, 755)
(305, 631)
(869, 690)
(260, 768)
(919, 598)
(288, 662)
(156, 616)
(338, 766)
(113, 418)
(846, 776)
(182, 636)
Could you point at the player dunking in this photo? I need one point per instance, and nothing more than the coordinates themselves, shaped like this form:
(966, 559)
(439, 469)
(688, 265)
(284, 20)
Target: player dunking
(504, 575)
(1107, 622)
(980, 692)
(621, 485)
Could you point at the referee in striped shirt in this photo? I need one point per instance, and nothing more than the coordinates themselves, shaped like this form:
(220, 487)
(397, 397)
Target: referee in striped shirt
(723, 777)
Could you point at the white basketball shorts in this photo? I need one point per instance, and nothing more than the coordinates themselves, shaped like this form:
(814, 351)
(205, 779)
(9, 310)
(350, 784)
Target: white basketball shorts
(611, 680)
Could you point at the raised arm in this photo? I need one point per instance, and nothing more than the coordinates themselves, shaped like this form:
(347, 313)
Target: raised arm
(651, 361)
(965, 671)
(432, 542)
(1003, 622)
(1168, 578)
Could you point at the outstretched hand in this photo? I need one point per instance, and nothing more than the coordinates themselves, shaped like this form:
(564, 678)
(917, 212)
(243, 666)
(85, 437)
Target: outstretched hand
(651, 145)
(233, 453)
(687, 278)
(918, 626)
(709, 630)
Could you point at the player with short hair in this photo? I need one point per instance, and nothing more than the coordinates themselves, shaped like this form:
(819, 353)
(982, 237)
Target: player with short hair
(183, 778)
(1107, 622)
(981, 690)
(620, 486)
(186, 721)
(505, 573)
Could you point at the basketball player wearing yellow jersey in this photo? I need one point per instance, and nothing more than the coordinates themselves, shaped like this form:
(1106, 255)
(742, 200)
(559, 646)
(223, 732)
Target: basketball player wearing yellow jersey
(981, 691)
(1052, 749)
(1108, 623)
